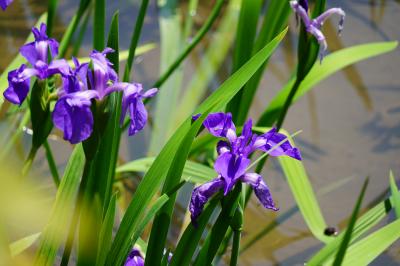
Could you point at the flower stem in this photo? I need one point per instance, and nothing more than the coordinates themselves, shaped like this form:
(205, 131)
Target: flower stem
(235, 247)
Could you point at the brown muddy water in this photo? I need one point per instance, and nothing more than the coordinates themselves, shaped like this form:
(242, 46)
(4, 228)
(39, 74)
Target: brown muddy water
(350, 122)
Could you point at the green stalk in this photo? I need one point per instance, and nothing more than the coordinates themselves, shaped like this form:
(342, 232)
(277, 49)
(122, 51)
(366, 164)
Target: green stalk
(51, 12)
(99, 24)
(135, 39)
(75, 218)
(199, 36)
(66, 39)
(52, 164)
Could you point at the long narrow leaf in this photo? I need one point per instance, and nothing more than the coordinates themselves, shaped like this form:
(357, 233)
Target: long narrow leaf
(331, 64)
(366, 250)
(55, 231)
(193, 172)
(395, 194)
(349, 230)
(158, 171)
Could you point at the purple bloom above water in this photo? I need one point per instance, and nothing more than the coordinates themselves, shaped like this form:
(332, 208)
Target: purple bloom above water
(313, 26)
(5, 3)
(233, 160)
(134, 258)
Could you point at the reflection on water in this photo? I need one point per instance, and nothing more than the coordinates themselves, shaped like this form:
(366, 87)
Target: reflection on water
(350, 122)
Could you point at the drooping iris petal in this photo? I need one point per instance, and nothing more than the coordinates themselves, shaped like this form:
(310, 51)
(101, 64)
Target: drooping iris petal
(138, 116)
(260, 189)
(134, 258)
(132, 103)
(313, 26)
(73, 116)
(230, 167)
(202, 194)
(272, 138)
(18, 84)
(221, 125)
(5, 3)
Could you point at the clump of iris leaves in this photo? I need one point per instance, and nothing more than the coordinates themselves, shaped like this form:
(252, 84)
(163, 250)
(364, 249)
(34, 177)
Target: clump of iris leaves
(103, 232)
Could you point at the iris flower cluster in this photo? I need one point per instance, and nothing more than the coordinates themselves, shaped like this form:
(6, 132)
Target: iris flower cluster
(313, 26)
(5, 3)
(80, 86)
(234, 160)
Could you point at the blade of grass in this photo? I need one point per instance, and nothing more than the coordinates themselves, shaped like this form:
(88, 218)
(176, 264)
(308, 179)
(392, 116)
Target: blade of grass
(99, 24)
(135, 39)
(190, 239)
(22, 244)
(332, 63)
(55, 231)
(347, 236)
(304, 195)
(105, 238)
(274, 22)
(52, 164)
(366, 250)
(159, 169)
(106, 158)
(245, 39)
(51, 11)
(395, 194)
(72, 26)
(193, 172)
(363, 224)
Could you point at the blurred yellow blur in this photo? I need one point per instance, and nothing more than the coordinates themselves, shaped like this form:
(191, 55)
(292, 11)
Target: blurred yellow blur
(25, 204)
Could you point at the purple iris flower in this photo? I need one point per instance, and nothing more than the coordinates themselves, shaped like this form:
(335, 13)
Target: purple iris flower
(102, 75)
(37, 54)
(72, 112)
(132, 103)
(75, 79)
(313, 26)
(18, 81)
(73, 116)
(233, 160)
(5, 3)
(134, 258)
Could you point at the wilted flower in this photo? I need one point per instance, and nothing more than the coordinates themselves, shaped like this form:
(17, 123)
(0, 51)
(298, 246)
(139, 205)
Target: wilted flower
(313, 26)
(5, 3)
(233, 160)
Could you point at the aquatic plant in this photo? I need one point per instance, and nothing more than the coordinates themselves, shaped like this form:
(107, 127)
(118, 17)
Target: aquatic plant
(114, 212)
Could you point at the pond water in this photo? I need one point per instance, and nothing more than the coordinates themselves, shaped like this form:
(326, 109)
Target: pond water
(350, 122)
